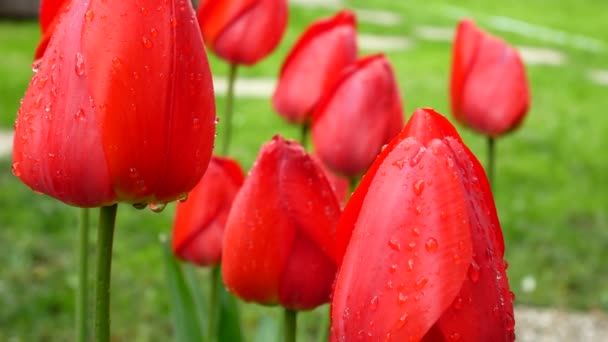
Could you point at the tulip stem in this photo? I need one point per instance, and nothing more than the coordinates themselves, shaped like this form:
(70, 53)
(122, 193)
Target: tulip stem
(289, 325)
(83, 271)
(105, 236)
(491, 158)
(213, 304)
(304, 135)
(229, 108)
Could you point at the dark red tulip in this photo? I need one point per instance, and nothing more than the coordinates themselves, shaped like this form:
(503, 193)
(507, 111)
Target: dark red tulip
(199, 224)
(424, 254)
(50, 10)
(279, 243)
(242, 31)
(489, 90)
(121, 108)
(358, 115)
(315, 63)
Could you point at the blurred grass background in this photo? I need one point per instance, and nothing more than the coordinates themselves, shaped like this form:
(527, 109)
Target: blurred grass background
(551, 189)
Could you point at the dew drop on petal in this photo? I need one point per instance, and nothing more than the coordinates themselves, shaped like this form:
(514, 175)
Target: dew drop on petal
(89, 15)
(474, 271)
(15, 169)
(146, 42)
(421, 283)
(402, 320)
(373, 304)
(410, 265)
(157, 207)
(431, 245)
(455, 337)
(79, 64)
(418, 187)
(394, 244)
(80, 116)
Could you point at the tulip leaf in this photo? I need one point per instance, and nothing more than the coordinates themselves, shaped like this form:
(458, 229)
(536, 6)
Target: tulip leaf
(183, 308)
(229, 327)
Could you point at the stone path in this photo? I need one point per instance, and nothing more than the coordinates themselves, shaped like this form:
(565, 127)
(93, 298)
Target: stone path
(534, 55)
(378, 43)
(378, 17)
(6, 143)
(549, 325)
(598, 76)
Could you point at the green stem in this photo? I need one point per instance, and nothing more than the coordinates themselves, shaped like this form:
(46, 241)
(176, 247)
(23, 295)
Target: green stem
(105, 236)
(304, 135)
(83, 271)
(213, 304)
(491, 159)
(289, 325)
(325, 325)
(229, 108)
(354, 181)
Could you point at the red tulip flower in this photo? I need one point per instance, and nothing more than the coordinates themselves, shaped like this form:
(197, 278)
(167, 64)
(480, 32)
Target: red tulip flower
(422, 246)
(356, 117)
(50, 11)
(316, 61)
(121, 108)
(242, 31)
(489, 90)
(199, 225)
(279, 243)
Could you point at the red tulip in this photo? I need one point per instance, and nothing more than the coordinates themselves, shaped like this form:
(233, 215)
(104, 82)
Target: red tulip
(50, 11)
(489, 91)
(425, 258)
(315, 63)
(121, 108)
(279, 241)
(242, 31)
(357, 116)
(199, 225)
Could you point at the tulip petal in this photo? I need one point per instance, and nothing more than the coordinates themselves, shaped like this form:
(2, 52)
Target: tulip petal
(57, 139)
(410, 250)
(155, 97)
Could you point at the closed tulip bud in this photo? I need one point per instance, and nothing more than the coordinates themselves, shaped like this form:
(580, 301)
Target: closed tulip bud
(242, 31)
(489, 90)
(200, 221)
(279, 243)
(316, 61)
(121, 108)
(357, 116)
(422, 246)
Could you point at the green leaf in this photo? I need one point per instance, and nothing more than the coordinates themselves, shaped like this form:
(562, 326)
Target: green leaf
(229, 327)
(185, 317)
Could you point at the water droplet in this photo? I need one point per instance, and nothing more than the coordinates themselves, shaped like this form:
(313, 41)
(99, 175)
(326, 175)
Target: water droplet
(458, 303)
(511, 296)
(41, 81)
(183, 197)
(402, 320)
(474, 271)
(411, 245)
(455, 337)
(509, 321)
(394, 268)
(16, 169)
(389, 284)
(394, 243)
(79, 64)
(416, 158)
(457, 259)
(133, 173)
(418, 187)
(373, 304)
(89, 15)
(80, 116)
(418, 210)
(146, 42)
(140, 206)
(410, 265)
(420, 283)
(36, 65)
(153, 33)
(416, 231)
(196, 124)
(116, 62)
(157, 207)
(402, 298)
(431, 245)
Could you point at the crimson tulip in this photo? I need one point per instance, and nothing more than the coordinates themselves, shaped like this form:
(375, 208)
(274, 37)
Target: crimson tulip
(315, 63)
(357, 116)
(121, 107)
(242, 31)
(50, 11)
(279, 243)
(199, 224)
(422, 249)
(489, 90)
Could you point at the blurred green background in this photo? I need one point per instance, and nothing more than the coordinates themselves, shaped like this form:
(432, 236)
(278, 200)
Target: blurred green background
(551, 189)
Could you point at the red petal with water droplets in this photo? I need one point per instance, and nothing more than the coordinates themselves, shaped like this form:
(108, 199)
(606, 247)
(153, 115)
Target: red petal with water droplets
(405, 262)
(315, 63)
(200, 221)
(285, 199)
(356, 117)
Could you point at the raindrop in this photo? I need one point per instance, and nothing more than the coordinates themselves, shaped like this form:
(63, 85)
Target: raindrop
(509, 321)
(455, 337)
(41, 81)
(420, 283)
(153, 33)
(418, 187)
(458, 303)
(80, 116)
(217, 120)
(146, 42)
(116, 62)
(394, 268)
(16, 169)
(79, 64)
(140, 206)
(36, 65)
(394, 244)
(402, 321)
(411, 245)
(183, 197)
(416, 158)
(373, 304)
(410, 265)
(389, 284)
(196, 124)
(457, 259)
(89, 15)
(157, 207)
(431, 245)
(474, 271)
(402, 298)
(418, 210)
(416, 231)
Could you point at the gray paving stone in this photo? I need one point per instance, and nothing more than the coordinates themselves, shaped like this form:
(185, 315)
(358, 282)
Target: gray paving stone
(534, 55)
(372, 42)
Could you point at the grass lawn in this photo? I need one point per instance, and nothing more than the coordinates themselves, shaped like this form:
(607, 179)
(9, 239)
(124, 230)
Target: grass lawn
(551, 189)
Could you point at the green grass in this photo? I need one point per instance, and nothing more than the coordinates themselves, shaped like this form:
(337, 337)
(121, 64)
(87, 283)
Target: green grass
(551, 189)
